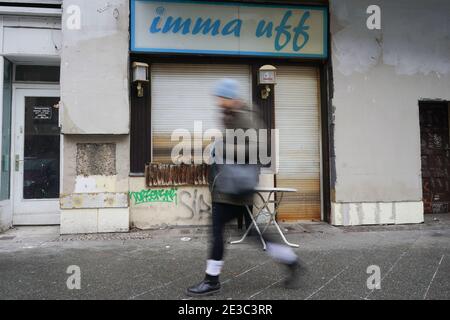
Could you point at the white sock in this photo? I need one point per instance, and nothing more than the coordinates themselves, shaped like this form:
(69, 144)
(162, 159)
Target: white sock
(281, 253)
(214, 267)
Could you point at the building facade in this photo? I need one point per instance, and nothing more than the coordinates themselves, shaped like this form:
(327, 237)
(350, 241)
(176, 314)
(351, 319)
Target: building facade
(390, 161)
(95, 95)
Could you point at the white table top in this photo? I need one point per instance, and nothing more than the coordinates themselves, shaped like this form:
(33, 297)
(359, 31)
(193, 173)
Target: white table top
(275, 190)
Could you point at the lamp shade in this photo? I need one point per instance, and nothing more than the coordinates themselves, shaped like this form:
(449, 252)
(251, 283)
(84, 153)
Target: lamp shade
(140, 71)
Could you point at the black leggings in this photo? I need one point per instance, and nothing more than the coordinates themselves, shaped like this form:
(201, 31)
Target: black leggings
(223, 213)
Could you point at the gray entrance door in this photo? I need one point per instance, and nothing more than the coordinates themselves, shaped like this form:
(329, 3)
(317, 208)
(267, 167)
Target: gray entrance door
(36, 157)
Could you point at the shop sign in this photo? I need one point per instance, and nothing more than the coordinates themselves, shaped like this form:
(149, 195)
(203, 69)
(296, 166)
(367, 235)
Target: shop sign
(177, 26)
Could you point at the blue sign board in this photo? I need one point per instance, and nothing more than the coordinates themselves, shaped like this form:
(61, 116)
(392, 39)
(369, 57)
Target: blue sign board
(177, 26)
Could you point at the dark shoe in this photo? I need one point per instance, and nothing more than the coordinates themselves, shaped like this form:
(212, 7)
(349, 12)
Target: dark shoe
(295, 270)
(204, 288)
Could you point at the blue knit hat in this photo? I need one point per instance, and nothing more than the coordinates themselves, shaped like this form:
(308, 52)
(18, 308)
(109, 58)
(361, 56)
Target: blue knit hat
(227, 88)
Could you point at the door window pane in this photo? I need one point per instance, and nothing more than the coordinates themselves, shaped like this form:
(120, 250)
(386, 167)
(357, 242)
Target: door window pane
(41, 148)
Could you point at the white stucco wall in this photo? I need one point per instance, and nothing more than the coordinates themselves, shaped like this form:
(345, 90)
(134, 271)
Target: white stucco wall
(175, 206)
(94, 68)
(155, 207)
(96, 202)
(95, 110)
(379, 78)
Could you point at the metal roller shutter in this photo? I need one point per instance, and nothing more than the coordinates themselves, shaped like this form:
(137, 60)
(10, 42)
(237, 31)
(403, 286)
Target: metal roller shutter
(181, 95)
(297, 117)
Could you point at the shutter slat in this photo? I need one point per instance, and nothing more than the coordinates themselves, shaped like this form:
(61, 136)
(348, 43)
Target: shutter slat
(181, 95)
(297, 118)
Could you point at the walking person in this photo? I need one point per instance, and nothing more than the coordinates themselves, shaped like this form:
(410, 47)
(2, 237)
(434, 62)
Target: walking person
(227, 206)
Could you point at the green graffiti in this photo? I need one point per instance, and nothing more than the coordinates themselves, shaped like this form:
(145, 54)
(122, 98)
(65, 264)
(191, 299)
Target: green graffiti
(154, 195)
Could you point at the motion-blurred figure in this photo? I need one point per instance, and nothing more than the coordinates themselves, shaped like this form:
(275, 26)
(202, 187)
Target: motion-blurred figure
(229, 206)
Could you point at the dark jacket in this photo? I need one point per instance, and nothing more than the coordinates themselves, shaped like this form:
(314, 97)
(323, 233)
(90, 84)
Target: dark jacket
(240, 119)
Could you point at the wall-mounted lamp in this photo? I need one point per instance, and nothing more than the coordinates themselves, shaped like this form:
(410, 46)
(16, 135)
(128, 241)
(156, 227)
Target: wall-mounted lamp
(267, 77)
(140, 75)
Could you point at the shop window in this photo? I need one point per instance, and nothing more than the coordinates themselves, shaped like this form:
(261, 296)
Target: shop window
(32, 73)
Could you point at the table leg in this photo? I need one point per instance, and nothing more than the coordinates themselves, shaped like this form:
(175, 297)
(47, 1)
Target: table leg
(244, 236)
(284, 238)
(266, 206)
(248, 230)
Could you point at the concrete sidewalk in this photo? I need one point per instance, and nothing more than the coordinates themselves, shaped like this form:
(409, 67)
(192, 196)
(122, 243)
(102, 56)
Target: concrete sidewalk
(414, 262)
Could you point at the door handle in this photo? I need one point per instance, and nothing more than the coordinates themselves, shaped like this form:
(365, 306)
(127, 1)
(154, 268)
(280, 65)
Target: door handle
(17, 162)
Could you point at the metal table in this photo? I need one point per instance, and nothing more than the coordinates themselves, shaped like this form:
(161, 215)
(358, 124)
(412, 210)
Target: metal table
(265, 210)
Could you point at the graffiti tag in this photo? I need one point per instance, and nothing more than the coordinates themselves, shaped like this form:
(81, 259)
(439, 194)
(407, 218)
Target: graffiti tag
(195, 203)
(154, 195)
